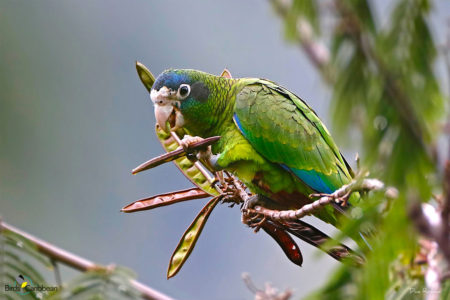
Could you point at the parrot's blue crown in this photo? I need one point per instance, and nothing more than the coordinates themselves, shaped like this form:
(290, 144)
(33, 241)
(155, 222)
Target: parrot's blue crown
(172, 79)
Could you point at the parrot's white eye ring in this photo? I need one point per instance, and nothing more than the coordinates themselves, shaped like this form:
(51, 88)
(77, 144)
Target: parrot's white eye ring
(184, 90)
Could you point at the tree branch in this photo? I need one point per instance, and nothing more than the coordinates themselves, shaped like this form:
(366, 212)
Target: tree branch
(234, 192)
(338, 196)
(269, 292)
(72, 260)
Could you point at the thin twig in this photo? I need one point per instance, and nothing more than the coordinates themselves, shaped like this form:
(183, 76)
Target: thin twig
(269, 293)
(72, 260)
(57, 273)
(368, 184)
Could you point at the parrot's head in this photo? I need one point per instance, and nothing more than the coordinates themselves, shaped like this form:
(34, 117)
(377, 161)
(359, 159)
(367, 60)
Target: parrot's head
(183, 98)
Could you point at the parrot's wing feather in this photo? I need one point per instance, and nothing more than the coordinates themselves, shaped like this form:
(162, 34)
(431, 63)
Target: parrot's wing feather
(285, 130)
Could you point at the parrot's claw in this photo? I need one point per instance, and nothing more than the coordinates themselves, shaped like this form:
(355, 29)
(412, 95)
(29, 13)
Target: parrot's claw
(251, 219)
(231, 198)
(203, 154)
(343, 201)
(256, 222)
(189, 140)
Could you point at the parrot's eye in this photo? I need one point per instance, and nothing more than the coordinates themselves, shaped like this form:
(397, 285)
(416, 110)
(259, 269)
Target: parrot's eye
(184, 90)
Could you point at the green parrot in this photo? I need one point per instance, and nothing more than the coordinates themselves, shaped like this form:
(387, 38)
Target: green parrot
(270, 138)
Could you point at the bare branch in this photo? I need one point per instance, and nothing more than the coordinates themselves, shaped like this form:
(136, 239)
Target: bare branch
(269, 292)
(338, 196)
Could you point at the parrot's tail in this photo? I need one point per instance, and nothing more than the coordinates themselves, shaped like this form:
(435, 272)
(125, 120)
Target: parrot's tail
(319, 239)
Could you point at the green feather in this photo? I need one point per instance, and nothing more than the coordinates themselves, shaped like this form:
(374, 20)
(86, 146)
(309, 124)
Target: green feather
(285, 130)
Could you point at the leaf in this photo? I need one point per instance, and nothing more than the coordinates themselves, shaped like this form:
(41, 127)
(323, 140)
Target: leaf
(445, 292)
(284, 240)
(26, 246)
(189, 238)
(175, 154)
(20, 256)
(318, 239)
(101, 283)
(165, 199)
(147, 78)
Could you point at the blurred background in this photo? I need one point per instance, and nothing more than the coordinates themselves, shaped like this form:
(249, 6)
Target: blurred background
(75, 119)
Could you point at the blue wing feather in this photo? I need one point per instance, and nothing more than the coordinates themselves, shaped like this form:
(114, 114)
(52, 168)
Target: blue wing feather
(312, 179)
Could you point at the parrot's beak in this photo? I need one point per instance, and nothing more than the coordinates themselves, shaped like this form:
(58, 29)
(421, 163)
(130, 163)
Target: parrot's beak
(166, 109)
(162, 114)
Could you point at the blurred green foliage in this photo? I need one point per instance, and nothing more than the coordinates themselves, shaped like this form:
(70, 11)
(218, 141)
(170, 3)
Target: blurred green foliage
(100, 284)
(385, 89)
(19, 255)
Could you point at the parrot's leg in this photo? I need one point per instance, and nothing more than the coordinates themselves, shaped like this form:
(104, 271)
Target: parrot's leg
(252, 201)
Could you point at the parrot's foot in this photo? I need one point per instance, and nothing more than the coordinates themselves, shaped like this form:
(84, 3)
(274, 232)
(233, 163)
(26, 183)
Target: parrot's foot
(202, 154)
(256, 222)
(189, 140)
(251, 219)
(231, 195)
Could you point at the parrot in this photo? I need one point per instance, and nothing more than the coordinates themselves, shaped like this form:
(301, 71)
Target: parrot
(271, 139)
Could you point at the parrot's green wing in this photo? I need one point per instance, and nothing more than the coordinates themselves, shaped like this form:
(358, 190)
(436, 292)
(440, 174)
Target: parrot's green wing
(286, 131)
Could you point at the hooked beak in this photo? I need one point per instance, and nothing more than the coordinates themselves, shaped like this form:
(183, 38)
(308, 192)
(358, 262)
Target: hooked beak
(167, 113)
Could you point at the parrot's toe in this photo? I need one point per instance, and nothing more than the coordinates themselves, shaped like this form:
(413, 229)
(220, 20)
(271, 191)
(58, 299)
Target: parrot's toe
(189, 140)
(250, 218)
(202, 154)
